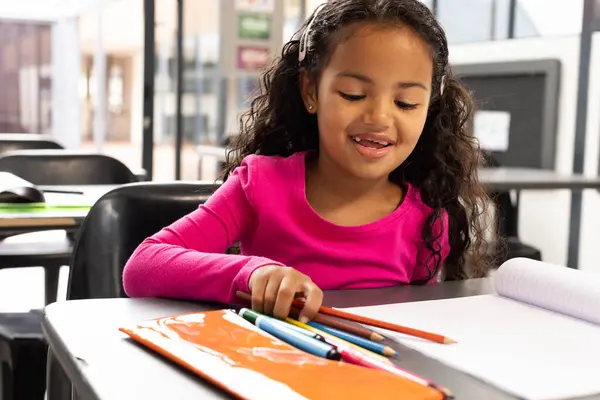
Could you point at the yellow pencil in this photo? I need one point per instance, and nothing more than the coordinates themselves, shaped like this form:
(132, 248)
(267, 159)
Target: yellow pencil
(335, 338)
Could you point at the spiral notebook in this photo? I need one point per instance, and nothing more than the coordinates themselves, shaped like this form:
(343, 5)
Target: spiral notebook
(537, 337)
(233, 354)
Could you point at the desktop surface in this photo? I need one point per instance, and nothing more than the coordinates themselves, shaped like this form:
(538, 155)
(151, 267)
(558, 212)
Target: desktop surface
(104, 363)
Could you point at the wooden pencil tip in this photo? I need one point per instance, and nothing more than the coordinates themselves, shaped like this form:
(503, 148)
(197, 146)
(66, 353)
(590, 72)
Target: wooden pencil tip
(449, 341)
(377, 337)
(388, 351)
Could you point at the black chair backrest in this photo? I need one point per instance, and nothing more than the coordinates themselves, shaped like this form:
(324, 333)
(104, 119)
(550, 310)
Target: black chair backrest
(506, 210)
(25, 141)
(65, 167)
(117, 224)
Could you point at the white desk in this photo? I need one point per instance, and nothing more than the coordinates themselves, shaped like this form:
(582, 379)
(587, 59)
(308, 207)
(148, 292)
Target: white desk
(54, 218)
(103, 363)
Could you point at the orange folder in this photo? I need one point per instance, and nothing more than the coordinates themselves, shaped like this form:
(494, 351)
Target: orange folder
(247, 362)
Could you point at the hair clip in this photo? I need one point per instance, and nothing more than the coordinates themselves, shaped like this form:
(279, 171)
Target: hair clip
(442, 85)
(304, 38)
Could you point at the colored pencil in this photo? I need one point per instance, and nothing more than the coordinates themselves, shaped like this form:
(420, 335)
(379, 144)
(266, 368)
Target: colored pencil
(354, 354)
(336, 341)
(332, 312)
(357, 340)
(354, 329)
(329, 321)
(341, 325)
(358, 358)
(290, 336)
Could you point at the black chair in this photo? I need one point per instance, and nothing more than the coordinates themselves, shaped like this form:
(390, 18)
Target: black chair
(117, 224)
(114, 227)
(21, 333)
(55, 167)
(507, 214)
(26, 141)
(65, 167)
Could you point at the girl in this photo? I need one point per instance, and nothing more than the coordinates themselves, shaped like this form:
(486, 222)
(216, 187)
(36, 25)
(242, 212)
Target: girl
(354, 168)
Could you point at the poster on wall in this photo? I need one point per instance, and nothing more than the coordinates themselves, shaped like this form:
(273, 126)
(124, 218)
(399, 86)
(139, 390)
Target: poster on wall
(257, 6)
(253, 26)
(252, 58)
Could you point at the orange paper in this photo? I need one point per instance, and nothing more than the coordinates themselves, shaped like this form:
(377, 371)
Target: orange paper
(230, 352)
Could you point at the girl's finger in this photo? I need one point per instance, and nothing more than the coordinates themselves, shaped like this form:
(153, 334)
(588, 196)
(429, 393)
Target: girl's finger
(287, 290)
(314, 300)
(271, 292)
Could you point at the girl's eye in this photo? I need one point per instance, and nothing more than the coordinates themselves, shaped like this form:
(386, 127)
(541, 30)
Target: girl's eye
(357, 97)
(351, 97)
(405, 106)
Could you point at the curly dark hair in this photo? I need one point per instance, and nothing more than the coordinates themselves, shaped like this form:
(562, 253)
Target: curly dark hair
(444, 163)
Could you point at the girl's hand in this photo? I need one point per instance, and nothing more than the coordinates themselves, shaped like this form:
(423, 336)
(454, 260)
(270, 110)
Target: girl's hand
(274, 288)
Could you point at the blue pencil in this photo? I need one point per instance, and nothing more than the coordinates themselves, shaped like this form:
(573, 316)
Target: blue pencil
(362, 342)
(300, 330)
(290, 336)
(294, 327)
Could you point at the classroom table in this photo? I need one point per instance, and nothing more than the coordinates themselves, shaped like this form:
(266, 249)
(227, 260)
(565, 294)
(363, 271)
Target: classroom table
(12, 222)
(103, 363)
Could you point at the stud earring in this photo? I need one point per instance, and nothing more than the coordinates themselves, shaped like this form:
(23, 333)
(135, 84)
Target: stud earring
(310, 107)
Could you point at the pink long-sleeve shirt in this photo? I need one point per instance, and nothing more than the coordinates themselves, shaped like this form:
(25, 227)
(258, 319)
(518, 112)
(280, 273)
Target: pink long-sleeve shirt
(263, 206)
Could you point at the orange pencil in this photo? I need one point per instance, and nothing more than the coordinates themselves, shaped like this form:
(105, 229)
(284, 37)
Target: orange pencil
(434, 337)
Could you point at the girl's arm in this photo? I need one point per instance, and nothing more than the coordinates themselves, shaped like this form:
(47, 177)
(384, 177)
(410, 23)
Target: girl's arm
(185, 260)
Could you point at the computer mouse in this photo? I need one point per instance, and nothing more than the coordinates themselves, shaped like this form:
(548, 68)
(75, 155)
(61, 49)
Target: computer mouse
(22, 194)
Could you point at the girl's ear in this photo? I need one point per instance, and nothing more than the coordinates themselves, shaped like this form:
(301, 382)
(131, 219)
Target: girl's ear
(308, 91)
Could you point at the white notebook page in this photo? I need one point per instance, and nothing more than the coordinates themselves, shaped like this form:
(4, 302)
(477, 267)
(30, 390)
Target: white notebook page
(522, 349)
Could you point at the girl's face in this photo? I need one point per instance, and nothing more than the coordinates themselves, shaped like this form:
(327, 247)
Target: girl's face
(372, 101)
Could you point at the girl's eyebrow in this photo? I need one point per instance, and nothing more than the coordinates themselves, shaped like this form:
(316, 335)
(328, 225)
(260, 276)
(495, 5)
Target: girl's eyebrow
(366, 79)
